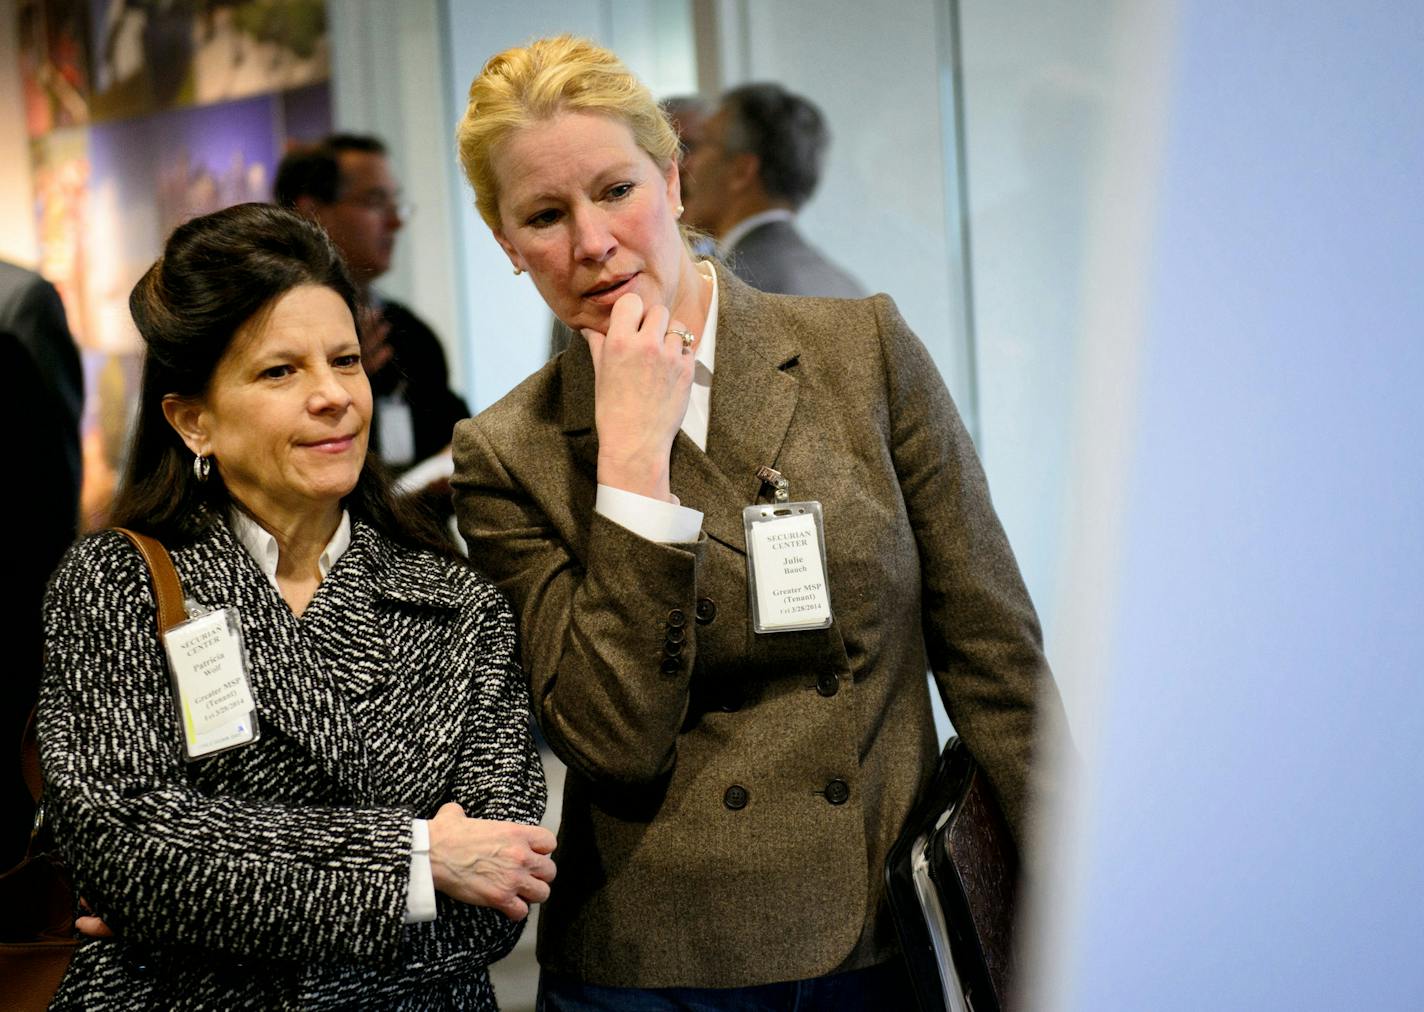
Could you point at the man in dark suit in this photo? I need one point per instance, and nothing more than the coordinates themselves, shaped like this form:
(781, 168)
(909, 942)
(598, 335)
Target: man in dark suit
(749, 169)
(346, 185)
(43, 403)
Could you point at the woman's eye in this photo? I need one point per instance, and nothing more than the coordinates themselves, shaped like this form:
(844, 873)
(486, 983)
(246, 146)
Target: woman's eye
(544, 218)
(276, 372)
(619, 191)
(347, 361)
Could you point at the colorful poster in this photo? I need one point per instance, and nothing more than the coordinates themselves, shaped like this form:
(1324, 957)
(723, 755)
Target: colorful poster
(151, 56)
(53, 43)
(142, 114)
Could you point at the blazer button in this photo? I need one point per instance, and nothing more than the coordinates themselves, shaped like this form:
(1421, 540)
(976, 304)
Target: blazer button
(730, 703)
(837, 792)
(735, 798)
(828, 684)
(671, 665)
(676, 634)
(706, 610)
(676, 618)
(672, 647)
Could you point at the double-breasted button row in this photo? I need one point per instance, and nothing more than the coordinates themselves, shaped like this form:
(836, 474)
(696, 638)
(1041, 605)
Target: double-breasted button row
(837, 792)
(674, 637)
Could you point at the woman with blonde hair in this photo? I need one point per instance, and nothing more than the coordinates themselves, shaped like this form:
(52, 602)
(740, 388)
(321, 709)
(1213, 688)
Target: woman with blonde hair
(740, 695)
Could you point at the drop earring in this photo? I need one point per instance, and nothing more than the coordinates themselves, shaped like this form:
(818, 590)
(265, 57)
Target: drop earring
(201, 467)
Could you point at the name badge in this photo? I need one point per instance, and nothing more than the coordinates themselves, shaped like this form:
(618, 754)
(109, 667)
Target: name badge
(786, 567)
(211, 693)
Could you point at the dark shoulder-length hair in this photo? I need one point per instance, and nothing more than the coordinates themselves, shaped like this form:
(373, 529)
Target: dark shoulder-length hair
(216, 273)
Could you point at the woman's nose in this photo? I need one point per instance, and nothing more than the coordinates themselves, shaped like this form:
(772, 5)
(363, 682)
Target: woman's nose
(592, 238)
(328, 393)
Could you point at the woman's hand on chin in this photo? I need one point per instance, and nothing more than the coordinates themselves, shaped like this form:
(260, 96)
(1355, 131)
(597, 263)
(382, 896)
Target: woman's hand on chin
(504, 865)
(642, 381)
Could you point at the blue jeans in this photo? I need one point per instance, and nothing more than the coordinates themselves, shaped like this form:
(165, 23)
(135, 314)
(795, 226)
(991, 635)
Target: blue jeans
(883, 988)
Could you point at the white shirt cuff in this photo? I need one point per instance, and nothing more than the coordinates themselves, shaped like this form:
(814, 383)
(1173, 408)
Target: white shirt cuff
(420, 899)
(647, 517)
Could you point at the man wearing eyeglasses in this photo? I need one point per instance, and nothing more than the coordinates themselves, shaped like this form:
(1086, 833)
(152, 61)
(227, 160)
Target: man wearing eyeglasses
(346, 185)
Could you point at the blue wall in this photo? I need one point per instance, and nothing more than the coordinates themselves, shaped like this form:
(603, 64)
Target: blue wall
(1257, 840)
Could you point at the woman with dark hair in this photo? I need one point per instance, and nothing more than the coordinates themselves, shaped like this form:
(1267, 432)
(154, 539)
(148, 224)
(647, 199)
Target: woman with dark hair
(369, 842)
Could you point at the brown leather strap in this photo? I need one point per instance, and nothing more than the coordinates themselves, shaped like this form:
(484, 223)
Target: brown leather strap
(166, 586)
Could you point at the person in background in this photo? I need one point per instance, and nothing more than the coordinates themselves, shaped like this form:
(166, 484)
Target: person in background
(345, 184)
(43, 405)
(732, 789)
(370, 841)
(687, 114)
(748, 170)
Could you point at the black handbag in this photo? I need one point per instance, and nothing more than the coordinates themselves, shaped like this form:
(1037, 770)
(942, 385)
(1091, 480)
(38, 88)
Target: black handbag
(952, 879)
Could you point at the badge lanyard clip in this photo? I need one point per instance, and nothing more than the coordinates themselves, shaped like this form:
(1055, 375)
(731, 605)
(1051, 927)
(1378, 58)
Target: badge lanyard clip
(781, 488)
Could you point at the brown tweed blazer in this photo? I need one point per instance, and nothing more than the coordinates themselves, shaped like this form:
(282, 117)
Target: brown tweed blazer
(704, 840)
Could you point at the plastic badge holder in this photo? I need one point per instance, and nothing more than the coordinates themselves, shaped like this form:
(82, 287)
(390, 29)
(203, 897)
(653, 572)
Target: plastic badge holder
(786, 567)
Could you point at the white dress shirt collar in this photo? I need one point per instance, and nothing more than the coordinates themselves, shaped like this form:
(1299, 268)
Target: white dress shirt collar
(699, 403)
(739, 231)
(262, 546)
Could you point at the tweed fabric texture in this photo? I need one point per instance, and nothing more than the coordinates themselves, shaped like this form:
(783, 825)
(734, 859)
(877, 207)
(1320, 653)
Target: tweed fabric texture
(732, 796)
(274, 875)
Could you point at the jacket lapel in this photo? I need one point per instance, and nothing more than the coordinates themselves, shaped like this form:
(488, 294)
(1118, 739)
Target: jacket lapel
(295, 690)
(576, 392)
(754, 397)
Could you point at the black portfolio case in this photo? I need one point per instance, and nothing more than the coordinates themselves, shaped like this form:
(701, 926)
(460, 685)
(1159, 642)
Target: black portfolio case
(952, 877)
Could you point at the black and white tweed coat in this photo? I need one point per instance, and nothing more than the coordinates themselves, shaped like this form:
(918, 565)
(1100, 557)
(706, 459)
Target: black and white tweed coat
(274, 875)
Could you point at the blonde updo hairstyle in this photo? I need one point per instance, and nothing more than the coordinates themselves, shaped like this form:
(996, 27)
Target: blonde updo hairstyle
(538, 82)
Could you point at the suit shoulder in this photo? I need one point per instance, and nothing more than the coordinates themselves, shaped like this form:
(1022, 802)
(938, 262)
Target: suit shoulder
(431, 577)
(527, 412)
(103, 552)
(101, 570)
(776, 257)
(13, 277)
(823, 319)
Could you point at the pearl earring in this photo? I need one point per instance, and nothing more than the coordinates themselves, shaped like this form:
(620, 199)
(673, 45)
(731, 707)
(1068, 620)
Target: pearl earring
(518, 271)
(679, 210)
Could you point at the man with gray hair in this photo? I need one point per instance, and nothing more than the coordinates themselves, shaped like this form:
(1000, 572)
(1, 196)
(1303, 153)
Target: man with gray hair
(752, 166)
